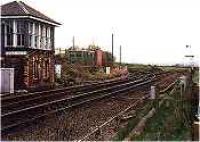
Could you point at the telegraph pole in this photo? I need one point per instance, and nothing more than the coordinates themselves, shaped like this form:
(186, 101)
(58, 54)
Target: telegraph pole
(112, 48)
(193, 103)
(120, 56)
(191, 57)
(73, 42)
(73, 47)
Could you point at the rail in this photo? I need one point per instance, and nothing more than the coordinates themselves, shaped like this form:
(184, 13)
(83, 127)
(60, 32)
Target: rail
(63, 104)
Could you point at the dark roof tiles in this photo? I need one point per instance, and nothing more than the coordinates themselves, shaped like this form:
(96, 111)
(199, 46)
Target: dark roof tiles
(19, 8)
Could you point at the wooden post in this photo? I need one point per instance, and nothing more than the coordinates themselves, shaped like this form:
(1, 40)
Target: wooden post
(196, 133)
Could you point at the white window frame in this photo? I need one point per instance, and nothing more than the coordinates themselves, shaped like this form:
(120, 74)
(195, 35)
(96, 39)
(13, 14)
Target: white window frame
(48, 37)
(6, 38)
(14, 33)
(36, 35)
(21, 35)
(43, 37)
(31, 32)
(39, 36)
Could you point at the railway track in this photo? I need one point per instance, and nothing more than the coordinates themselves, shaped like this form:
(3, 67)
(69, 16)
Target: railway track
(114, 118)
(9, 100)
(14, 98)
(42, 97)
(26, 100)
(107, 129)
(18, 117)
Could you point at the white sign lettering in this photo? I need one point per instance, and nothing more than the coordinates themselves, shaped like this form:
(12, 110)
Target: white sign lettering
(16, 52)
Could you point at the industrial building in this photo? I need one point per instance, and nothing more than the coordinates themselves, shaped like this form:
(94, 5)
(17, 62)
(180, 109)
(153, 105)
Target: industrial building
(89, 58)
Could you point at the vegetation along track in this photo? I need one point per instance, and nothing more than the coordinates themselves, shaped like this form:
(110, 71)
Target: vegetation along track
(16, 118)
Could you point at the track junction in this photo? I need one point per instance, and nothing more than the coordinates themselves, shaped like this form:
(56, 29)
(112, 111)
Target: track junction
(18, 112)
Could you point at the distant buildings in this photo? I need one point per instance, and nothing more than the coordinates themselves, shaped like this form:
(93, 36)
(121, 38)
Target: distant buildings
(81, 56)
(89, 57)
(27, 44)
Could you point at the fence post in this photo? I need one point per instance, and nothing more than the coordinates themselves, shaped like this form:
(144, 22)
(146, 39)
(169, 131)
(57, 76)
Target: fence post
(183, 83)
(196, 133)
(154, 96)
(153, 93)
(11, 76)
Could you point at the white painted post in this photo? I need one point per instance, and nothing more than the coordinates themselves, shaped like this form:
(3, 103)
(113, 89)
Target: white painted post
(107, 70)
(11, 75)
(58, 70)
(153, 93)
(183, 81)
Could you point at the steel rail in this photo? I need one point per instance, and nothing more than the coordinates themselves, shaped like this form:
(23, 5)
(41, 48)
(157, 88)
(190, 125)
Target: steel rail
(37, 99)
(129, 88)
(68, 89)
(57, 93)
(8, 98)
(34, 94)
(78, 96)
(84, 138)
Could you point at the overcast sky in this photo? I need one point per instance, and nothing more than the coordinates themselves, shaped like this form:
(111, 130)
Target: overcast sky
(150, 31)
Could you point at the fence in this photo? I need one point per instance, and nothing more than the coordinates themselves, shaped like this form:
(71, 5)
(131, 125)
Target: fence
(167, 113)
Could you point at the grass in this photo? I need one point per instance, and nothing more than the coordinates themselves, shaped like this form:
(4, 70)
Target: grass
(167, 124)
(171, 121)
(173, 68)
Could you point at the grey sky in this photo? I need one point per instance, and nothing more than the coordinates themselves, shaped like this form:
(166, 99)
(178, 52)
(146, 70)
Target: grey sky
(150, 31)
